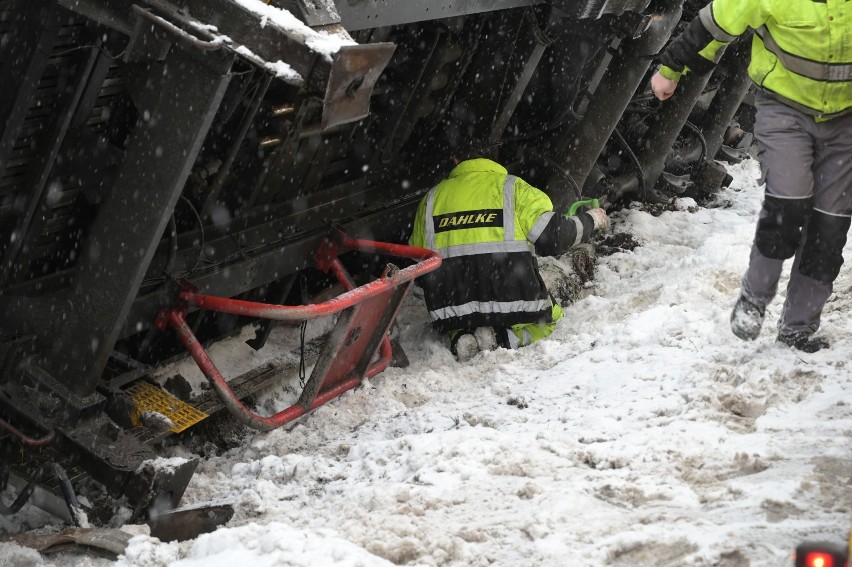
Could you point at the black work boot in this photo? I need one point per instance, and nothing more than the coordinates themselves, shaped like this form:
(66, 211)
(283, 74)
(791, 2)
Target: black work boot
(746, 319)
(803, 341)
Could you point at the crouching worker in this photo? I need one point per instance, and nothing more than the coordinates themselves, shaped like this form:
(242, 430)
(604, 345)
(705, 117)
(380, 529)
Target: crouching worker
(488, 227)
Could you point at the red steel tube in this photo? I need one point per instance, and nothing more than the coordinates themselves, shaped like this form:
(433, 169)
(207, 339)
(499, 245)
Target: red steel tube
(238, 409)
(429, 261)
(385, 355)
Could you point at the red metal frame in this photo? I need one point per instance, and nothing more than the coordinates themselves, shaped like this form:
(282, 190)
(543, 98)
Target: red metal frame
(366, 314)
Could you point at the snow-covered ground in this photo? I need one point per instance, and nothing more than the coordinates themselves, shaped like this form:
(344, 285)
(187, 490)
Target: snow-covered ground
(642, 433)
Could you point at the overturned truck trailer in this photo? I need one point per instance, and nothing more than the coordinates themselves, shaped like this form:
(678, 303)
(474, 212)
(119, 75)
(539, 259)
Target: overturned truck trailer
(172, 171)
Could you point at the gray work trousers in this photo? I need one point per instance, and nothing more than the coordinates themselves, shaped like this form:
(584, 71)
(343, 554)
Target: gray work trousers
(800, 159)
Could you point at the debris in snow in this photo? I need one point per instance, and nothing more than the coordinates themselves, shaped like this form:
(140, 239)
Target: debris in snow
(101, 540)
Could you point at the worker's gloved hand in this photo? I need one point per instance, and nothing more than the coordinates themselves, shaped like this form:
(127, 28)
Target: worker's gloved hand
(599, 218)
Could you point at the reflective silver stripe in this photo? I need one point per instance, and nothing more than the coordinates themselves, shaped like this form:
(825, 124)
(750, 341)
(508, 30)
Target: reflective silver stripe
(816, 70)
(768, 194)
(509, 208)
(539, 226)
(579, 224)
(513, 339)
(490, 307)
(709, 22)
(840, 72)
(428, 221)
(516, 342)
(832, 214)
(484, 248)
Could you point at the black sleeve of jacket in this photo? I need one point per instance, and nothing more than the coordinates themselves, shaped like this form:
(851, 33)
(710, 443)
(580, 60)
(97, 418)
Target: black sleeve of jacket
(683, 51)
(560, 234)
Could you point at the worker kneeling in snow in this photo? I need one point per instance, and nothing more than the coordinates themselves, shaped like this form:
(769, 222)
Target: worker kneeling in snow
(487, 226)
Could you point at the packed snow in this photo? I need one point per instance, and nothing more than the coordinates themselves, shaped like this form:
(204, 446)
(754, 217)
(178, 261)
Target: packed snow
(641, 433)
(324, 41)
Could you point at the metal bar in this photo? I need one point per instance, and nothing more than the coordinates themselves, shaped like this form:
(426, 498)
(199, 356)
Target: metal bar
(184, 96)
(239, 410)
(111, 13)
(666, 126)
(582, 145)
(542, 42)
(26, 439)
(26, 313)
(93, 87)
(385, 357)
(368, 14)
(30, 225)
(429, 261)
(390, 288)
(342, 275)
(595, 9)
(728, 98)
(268, 42)
(23, 66)
(265, 327)
(174, 31)
(236, 142)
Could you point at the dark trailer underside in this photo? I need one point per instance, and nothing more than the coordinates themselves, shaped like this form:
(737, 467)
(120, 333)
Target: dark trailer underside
(152, 147)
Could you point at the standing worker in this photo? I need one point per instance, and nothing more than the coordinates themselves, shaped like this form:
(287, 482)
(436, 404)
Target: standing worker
(801, 61)
(487, 224)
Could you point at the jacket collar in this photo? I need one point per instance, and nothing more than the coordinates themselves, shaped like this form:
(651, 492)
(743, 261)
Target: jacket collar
(478, 165)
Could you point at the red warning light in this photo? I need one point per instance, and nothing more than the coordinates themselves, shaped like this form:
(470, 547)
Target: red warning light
(821, 554)
(818, 559)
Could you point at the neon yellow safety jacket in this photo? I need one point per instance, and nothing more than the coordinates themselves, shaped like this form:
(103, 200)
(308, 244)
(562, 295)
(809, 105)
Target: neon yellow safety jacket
(486, 225)
(801, 49)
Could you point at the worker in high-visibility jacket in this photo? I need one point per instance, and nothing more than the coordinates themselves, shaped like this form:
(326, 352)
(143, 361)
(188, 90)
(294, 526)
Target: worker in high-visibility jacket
(801, 62)
(487, 226)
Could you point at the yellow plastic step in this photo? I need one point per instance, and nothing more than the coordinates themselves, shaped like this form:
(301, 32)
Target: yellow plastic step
(147, 397)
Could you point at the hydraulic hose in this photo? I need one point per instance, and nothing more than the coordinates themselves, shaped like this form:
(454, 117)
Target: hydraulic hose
(47, 471)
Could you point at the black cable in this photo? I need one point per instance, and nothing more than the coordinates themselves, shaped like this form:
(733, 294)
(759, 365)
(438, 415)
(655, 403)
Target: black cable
(559, 170)
(200, 229)
(79, 47)
(637, 166)
(170, 260)
(70, 497)
(701, 140)
(302, 372)
(47, 471)
(173, 245)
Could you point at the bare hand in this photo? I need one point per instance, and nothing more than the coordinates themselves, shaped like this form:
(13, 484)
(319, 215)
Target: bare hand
(599, 218)
(663, 88)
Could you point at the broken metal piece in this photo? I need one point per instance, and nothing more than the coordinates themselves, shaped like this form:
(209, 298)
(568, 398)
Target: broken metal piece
(354, 72)
(109, 540)
(190, 522)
